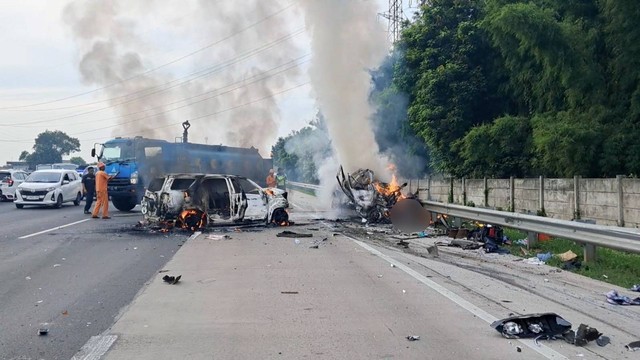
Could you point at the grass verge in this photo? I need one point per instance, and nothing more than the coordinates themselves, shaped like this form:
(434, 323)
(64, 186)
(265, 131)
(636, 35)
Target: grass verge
(612, 266)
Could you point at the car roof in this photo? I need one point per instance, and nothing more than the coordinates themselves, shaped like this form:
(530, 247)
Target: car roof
(57, 171)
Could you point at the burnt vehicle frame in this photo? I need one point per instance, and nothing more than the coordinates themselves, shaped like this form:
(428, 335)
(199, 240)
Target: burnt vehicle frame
(194, 201)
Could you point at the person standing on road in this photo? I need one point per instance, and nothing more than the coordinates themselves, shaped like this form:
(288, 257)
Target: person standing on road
(102, 197)
(271, 179)
(88, 189)
(281, 179)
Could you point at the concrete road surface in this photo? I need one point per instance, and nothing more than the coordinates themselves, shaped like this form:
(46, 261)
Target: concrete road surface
(253, 295)
(63, 271)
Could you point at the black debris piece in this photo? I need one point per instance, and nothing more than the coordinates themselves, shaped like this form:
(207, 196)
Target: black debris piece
(292, 234)
(171, 279)
(532, 326)
(313, 247)
(413, 337)
(289, 292)
(43, 331)
(582, 336)
(633, 346)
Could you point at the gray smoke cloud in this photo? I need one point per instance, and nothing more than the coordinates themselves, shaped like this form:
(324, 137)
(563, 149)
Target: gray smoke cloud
(228, 103)
(346, 40)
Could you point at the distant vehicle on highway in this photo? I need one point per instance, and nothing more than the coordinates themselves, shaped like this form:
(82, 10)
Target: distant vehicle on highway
(194, 201)
(49, 188)
(9, 181)
(65, 166)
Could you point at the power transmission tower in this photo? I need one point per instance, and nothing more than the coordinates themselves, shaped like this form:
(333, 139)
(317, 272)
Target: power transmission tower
(394, 17)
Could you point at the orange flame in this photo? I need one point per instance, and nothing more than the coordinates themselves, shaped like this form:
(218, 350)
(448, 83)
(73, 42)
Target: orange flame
(390, 188)
(192, 219)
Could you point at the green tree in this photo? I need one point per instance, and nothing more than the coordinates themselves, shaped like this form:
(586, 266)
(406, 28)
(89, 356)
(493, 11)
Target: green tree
(49, 147)
(450, 72)
(78, 160)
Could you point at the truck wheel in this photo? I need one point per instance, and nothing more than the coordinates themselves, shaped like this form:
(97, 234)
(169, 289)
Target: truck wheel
(124, 204)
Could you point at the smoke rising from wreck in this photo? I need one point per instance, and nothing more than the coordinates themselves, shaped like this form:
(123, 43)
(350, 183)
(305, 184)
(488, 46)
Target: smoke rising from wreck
(346, 41)
(112, 49)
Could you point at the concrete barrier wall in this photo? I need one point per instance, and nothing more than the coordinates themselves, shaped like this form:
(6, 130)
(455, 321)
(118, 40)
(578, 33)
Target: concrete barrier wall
(526, 195)
(606, 201)
(475, 191)
(631, 202)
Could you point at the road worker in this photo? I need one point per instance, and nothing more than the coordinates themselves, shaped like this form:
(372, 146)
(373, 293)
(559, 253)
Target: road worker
(271, 179)
(102, 196)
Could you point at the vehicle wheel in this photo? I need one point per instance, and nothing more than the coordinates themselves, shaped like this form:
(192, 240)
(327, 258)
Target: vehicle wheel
(279, 216)
(124, 204)
(19, 206)
(59, 201)
(78, 199)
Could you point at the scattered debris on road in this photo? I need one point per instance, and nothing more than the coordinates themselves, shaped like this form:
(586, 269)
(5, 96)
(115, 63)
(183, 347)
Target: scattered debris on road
(292, 234)
(43, 331)
(163, 271)
(171, 279)
(413, 337)
(218, 237)
(603, 341)
(635, 287)
(582, 336)
(532, 326)
(289, 292)
(614, 298)
(633, 346)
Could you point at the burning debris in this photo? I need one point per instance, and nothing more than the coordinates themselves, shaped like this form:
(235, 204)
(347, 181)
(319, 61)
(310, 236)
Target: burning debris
(372, 198)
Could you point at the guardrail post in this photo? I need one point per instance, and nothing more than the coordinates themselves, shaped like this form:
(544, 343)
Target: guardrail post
(429, 188)
(532, 239)
(589, 252)
(620, 201)
(576, 196)
(541, 195)
(512, 193)
(486, 193)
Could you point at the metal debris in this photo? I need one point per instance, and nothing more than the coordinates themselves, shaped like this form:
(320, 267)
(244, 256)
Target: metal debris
(171, 279)
(292, 234)
(413, 337)
(633, 346)
(43, 331)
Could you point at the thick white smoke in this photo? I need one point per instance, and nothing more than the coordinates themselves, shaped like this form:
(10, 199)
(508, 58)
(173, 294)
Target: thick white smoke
(347, 41)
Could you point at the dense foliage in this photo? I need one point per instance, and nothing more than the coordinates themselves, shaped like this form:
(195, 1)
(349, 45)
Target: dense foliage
(504, 88)
(49, 147)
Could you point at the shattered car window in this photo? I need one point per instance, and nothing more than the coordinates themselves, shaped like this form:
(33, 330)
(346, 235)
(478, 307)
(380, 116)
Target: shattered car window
(248, 186)
(181, 184)
(156, 184)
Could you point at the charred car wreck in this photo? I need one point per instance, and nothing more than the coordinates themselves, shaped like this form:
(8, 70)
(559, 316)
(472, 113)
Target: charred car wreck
(371, 198)
(194, 201)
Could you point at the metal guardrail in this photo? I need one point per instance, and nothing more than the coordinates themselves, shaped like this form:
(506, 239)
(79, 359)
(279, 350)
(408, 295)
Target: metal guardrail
(624, 239)
(302, 186)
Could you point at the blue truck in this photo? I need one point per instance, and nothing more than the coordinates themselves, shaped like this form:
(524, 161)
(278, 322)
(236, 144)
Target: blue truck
(138, 160)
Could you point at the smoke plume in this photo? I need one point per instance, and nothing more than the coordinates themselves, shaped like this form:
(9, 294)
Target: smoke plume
(346, 40)
(231, 99)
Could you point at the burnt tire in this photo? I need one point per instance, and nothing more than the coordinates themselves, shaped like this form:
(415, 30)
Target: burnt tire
(59, 202)
(279, 216)
(78, 199)
(124, 204)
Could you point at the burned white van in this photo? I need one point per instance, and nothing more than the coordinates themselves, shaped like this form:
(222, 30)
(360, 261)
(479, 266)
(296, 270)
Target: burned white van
(194, 201)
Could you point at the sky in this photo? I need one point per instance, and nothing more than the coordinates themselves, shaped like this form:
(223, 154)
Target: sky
(236, 70)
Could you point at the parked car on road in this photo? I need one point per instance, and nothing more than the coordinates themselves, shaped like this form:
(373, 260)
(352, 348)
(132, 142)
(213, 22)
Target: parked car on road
(9, 181)
(197, 200)
(50, 188)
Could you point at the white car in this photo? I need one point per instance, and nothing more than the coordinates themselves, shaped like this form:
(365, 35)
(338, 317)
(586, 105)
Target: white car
(50, 188)
(9, 181)
(194, 201)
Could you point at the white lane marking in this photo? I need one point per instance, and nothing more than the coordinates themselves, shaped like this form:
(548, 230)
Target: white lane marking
(53, 229)
(95, 347)
(542, 350)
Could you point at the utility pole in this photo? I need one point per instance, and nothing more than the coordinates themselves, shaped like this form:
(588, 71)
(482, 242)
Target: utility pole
(394, 17)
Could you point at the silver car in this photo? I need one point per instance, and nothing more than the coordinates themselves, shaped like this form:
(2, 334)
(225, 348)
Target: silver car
(194, 201)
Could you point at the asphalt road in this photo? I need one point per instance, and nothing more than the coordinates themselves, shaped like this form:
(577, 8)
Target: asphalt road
(74, 279)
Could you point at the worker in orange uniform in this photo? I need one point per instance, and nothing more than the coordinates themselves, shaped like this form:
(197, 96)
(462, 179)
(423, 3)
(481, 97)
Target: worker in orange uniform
(102, 196)
(271, 179)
